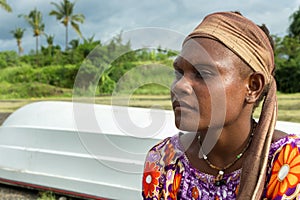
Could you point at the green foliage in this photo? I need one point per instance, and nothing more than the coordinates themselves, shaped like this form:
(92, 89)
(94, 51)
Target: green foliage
(9, 59)
(47, 196)
(35, 20)
(107, 86)
(87, 75)
(154, 89)
(64, 13)
(59, 76)
(287, 59)
(5, 6)
(29, 90)
(18, 35)
(16, 75)
(288, 79)
(294, 28)
(111, 62)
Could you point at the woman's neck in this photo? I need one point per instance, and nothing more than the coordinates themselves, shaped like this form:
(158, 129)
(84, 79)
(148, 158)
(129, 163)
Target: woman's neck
(223, 145)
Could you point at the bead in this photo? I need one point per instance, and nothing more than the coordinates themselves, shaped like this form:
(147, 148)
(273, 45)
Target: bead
(220, 182)
(219, 179)
(217, 183)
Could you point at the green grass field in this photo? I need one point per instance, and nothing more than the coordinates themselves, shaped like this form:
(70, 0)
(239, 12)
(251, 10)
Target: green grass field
(288, 104)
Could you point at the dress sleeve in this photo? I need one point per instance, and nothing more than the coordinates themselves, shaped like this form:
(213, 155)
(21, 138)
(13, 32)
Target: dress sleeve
(153, 175)
(284, 178)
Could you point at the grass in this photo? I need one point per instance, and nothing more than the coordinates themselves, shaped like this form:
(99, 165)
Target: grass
(288, 107)
(288, 104)
(47, 195)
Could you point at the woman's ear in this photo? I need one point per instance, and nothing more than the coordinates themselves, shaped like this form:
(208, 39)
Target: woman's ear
(256, 85)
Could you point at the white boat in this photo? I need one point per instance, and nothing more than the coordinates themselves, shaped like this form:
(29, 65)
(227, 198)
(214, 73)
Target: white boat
(78, 149)
(84, 150)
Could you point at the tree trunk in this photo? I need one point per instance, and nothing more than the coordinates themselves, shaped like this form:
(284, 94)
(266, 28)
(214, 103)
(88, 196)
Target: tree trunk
(66, 37)
(19, 47)
(37, 50)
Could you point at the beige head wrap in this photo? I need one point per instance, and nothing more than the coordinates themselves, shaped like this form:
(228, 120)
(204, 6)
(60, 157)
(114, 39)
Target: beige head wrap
(252, 45)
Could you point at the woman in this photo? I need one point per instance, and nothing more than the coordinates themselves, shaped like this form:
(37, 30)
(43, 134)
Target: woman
(225, 68)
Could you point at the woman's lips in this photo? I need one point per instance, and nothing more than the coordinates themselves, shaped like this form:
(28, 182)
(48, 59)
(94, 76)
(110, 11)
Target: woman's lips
(182, 104)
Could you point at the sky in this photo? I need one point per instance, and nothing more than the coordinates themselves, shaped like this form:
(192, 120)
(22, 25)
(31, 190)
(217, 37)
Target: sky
(106, 18)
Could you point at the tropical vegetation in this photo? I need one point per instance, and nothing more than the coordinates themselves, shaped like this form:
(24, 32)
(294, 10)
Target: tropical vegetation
(35, 20)
(51, 70)
(18, 35)
(65, 14)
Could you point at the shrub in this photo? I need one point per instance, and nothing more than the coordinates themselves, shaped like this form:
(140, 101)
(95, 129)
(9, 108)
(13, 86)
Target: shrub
(27, 90)
(288, 79)
(9, 59)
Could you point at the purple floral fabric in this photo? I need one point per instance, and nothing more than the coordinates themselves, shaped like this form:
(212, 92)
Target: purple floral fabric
(169, 175)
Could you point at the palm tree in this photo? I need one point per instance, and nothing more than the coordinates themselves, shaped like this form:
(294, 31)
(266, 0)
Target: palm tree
(18, 35)
(5, 6)
(49, 39)
(35, 19)
(64, 13)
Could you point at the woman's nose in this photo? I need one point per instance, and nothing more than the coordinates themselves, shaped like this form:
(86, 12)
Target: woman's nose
(182, 87)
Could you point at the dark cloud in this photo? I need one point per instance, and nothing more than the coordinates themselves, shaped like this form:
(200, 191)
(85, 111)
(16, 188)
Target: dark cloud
(105, 19)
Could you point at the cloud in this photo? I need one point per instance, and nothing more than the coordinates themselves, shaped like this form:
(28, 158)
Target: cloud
(105, 19)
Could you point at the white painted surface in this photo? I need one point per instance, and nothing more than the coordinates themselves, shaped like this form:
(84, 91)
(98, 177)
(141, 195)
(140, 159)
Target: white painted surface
(49, 145)
(92, 149)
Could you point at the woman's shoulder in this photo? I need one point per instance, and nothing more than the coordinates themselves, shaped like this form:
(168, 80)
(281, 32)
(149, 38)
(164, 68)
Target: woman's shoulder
(281, 140)
(279, 135)
(167, 143)
(165, 151)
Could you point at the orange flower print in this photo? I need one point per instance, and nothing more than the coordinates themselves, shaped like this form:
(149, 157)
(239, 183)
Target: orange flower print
(285, 172)
(150, 178)
(169, 153)
(175, 186)
(237, 189)
(195, 193)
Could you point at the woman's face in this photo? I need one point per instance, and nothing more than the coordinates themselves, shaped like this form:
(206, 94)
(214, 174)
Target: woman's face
(208, 90)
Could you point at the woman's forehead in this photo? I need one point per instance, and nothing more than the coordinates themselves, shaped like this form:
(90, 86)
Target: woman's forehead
(204, 51)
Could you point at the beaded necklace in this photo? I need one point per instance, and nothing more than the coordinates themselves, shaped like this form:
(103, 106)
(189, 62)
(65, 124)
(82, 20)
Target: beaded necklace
(219, 178)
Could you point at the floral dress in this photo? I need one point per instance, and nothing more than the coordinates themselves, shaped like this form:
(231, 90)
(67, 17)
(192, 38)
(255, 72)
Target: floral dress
(168, 175)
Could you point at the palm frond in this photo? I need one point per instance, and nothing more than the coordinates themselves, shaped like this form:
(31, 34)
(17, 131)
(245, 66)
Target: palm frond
(64, 13)
(18, 32)
(57, 14)
(59, 7)
(34, 19)
(76, 28)
(78, 18)
(5, 6)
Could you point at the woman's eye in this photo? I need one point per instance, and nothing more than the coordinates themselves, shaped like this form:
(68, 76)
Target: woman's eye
(203, 74)
(178, 74)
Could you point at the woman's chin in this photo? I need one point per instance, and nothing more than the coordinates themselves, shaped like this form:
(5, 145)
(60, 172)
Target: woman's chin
(186, 126)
